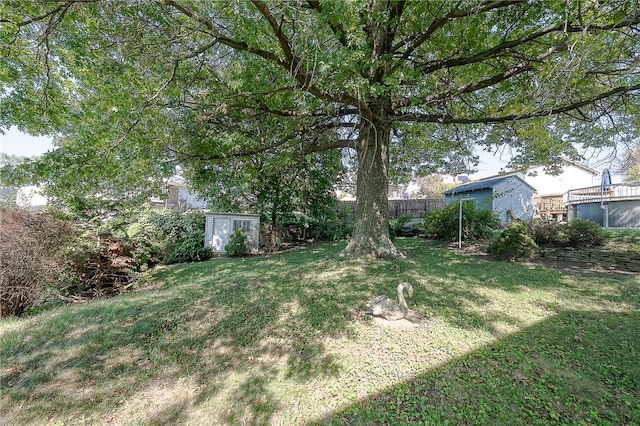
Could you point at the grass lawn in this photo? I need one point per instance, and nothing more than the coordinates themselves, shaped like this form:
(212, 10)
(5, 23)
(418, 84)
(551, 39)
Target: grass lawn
(281, 339)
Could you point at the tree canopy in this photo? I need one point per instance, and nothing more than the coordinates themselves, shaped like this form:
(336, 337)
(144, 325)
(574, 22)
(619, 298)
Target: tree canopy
(140, 87)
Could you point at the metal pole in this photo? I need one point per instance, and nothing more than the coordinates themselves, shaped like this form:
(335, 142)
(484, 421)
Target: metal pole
(460, 227)
(460, 222)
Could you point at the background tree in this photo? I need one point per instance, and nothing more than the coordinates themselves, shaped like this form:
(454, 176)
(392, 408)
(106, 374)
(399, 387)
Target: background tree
(140, 84)
(433, 185)
(273, 186)
(633, 175)
(630, 162)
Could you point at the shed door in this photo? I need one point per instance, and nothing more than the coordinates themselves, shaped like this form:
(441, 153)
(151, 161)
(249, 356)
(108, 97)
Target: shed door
(221, 232)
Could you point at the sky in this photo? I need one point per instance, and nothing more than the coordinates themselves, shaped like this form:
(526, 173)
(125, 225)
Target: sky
(16, 143)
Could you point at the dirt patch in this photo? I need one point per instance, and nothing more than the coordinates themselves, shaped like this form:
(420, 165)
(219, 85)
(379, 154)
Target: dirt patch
(614, 257)
(412, 320)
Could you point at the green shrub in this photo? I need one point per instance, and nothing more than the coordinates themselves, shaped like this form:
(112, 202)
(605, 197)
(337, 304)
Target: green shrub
(237, 244)
(585, 233)
(167, 236)
(514, 242)
(330, 225)
(401, 227)
(442, 223)
(188, 245)
(335, 225)
(549, 233)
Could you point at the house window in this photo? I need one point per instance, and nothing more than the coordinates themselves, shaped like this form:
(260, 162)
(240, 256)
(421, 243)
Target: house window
(244, 224)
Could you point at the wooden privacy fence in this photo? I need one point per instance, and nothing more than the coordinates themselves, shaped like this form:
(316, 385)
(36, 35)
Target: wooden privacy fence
(399, 208)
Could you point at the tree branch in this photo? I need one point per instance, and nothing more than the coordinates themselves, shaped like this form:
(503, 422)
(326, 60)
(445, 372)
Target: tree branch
(449, 119)
(293, 65)
(491, 81)
(489, 53)
(564, 27)
(221, 38)
(62, 7)
(337, 28)
(307, 148)
(417, 40)
(146, 104)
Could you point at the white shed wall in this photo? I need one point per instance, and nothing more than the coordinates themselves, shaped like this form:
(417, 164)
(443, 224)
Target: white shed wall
(512, 194)
(219, 227)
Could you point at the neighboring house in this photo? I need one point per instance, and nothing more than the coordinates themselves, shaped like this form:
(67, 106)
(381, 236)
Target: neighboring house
(449, 179)
(29, 197)
(220, 226)
(549, 202)
(573, 175)
(26, 197)
(508, 196)
(178, 197)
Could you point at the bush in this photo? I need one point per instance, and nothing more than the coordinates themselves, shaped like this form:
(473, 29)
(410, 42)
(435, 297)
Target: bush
(585, 233)
(167, 236)
(334, 225)
(514, 242)
(442, 223)
(30, 263)
(237, 243)
(188, 242)
(330, 225)
(404, 226)
(549, 233)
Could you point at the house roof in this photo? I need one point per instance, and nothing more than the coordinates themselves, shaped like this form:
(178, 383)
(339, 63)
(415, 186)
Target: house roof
(567, 162)
(479, 185)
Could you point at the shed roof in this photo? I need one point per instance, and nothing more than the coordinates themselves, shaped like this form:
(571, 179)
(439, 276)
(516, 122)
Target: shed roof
(484, 184)
(225, 214)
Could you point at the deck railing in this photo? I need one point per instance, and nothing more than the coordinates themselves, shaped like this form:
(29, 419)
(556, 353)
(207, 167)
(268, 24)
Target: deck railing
(549, 203)
(619, 191)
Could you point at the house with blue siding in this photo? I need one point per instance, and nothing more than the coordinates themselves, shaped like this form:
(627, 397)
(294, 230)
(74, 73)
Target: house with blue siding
(507, 196)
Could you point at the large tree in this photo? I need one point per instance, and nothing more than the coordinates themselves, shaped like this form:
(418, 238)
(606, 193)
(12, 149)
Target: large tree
(133, 83)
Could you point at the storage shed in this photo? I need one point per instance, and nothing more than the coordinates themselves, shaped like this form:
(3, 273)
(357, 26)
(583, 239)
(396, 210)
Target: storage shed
(504, 195)
(220, 226)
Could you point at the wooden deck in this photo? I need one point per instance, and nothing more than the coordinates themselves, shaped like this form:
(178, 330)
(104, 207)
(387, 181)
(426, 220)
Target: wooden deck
(549, 206)
(598, 194)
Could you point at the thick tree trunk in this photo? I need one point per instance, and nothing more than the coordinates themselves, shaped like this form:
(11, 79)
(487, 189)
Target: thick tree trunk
(370, 237)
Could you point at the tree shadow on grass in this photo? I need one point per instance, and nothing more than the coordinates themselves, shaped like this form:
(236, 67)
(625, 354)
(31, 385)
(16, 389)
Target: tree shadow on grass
(230, 325)
(230, 333)
(463, 289)
(573, 368)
